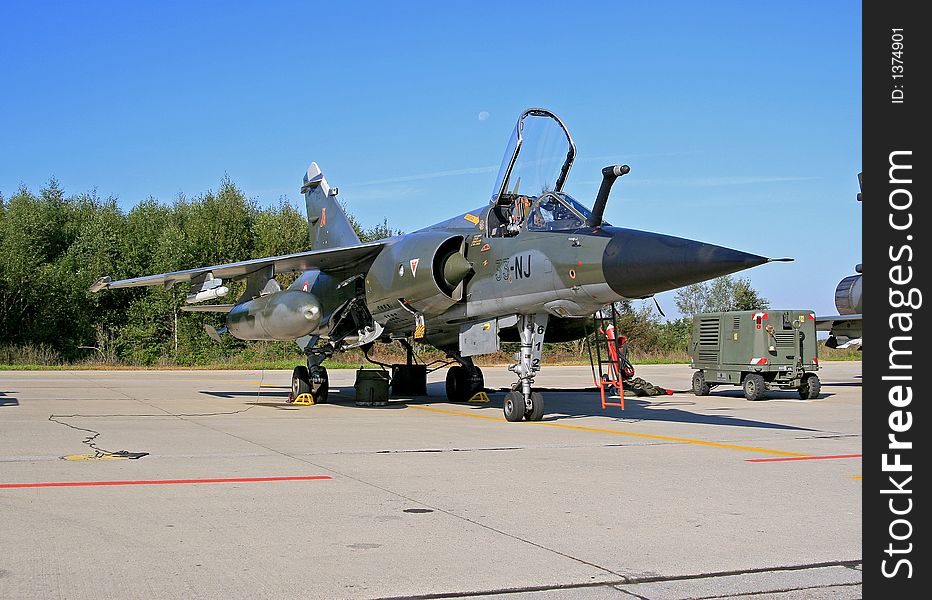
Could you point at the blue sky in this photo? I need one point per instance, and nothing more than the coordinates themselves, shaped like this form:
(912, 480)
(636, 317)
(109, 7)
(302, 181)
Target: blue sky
(741, 121)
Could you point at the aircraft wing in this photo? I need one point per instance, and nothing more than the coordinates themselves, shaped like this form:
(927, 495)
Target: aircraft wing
(217, 308)
(827, 323)
(302, 261)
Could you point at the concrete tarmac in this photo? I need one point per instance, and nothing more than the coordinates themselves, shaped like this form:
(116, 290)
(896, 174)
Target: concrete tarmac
(243, 496)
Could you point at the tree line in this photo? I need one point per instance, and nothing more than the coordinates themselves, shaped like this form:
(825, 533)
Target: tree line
(53, 246)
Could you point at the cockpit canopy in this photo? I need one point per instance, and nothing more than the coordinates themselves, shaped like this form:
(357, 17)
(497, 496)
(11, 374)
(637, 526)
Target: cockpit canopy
(537, 159)
(528, 192)
(556, 211)
(551, 211)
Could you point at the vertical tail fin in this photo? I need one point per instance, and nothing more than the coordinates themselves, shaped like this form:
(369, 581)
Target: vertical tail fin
(327, 224)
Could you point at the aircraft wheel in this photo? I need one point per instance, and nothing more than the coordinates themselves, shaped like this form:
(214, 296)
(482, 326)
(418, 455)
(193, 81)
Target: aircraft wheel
(700, 386)
(300, 382)
(456, 384)
(754, 386)
(320, 385)
(537, 407)
(514, 406)
(478, 382)
(463, 383)
(810, 388)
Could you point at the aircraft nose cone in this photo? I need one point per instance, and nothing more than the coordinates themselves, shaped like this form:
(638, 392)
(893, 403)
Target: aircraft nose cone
(640, 263)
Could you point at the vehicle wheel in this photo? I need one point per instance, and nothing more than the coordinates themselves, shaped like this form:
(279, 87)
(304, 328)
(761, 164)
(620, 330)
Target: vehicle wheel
(700, 387)
(537, 407)
(300, 383)
(754, 386)
(514, 406)
(810, 387)
(320, 385)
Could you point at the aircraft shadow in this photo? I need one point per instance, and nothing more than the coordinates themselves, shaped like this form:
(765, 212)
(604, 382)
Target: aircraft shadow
(337, 396)
(657, 408)
(560, 406)
(245, 394)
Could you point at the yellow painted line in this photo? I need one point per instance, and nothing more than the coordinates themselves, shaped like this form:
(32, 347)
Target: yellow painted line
(857, 477)
(649, 436)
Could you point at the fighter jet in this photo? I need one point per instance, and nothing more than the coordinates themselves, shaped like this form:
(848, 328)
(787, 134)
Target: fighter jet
(529, 264)
(845, 329)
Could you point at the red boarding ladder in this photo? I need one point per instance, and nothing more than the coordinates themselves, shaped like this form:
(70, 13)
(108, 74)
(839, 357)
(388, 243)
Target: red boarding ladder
(612, 367)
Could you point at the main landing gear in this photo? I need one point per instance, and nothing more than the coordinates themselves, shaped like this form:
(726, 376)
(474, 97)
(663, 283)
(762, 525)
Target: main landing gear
(464, 380)
(521, 402)
(311, 379)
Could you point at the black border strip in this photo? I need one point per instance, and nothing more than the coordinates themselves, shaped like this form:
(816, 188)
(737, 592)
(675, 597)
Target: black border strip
(893, 121)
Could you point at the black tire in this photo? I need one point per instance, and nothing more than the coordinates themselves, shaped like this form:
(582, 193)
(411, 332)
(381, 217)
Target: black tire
(514, 406)
(700, 386)
(478, 381)
(537, 407)
(754, 386)
(810, 387)
(456, 384)
(320, 385)
(463, 383)
(300, 382)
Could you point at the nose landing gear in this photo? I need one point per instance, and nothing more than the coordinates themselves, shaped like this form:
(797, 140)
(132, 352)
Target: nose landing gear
(521, 402)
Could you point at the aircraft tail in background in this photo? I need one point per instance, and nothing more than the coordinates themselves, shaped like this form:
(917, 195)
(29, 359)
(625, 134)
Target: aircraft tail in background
(327, 224)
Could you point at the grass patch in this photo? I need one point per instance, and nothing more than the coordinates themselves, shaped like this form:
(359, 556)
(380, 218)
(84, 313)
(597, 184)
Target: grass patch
(40, 357)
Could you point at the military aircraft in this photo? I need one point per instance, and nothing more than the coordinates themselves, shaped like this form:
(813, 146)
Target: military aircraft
(845, 329)
(530, 264)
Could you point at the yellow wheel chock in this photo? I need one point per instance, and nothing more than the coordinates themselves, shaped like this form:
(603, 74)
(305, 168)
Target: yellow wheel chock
(304, 400)
(480, 398)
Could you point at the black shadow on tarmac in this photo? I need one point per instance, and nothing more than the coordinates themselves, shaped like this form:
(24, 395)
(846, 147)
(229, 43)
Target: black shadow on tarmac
(565, 405)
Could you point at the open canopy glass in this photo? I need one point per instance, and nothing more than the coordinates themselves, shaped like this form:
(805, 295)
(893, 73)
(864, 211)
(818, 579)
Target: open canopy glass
(537, 159)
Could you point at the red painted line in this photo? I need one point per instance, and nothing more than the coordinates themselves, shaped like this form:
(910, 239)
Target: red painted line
(159, 482)
(781, 459)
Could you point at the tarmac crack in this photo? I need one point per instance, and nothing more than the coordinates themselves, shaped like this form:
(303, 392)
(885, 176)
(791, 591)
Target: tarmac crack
(774, 591)
(91, 442)
(828, 437)
(634, 580)
(622, 578)
(713, 574)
